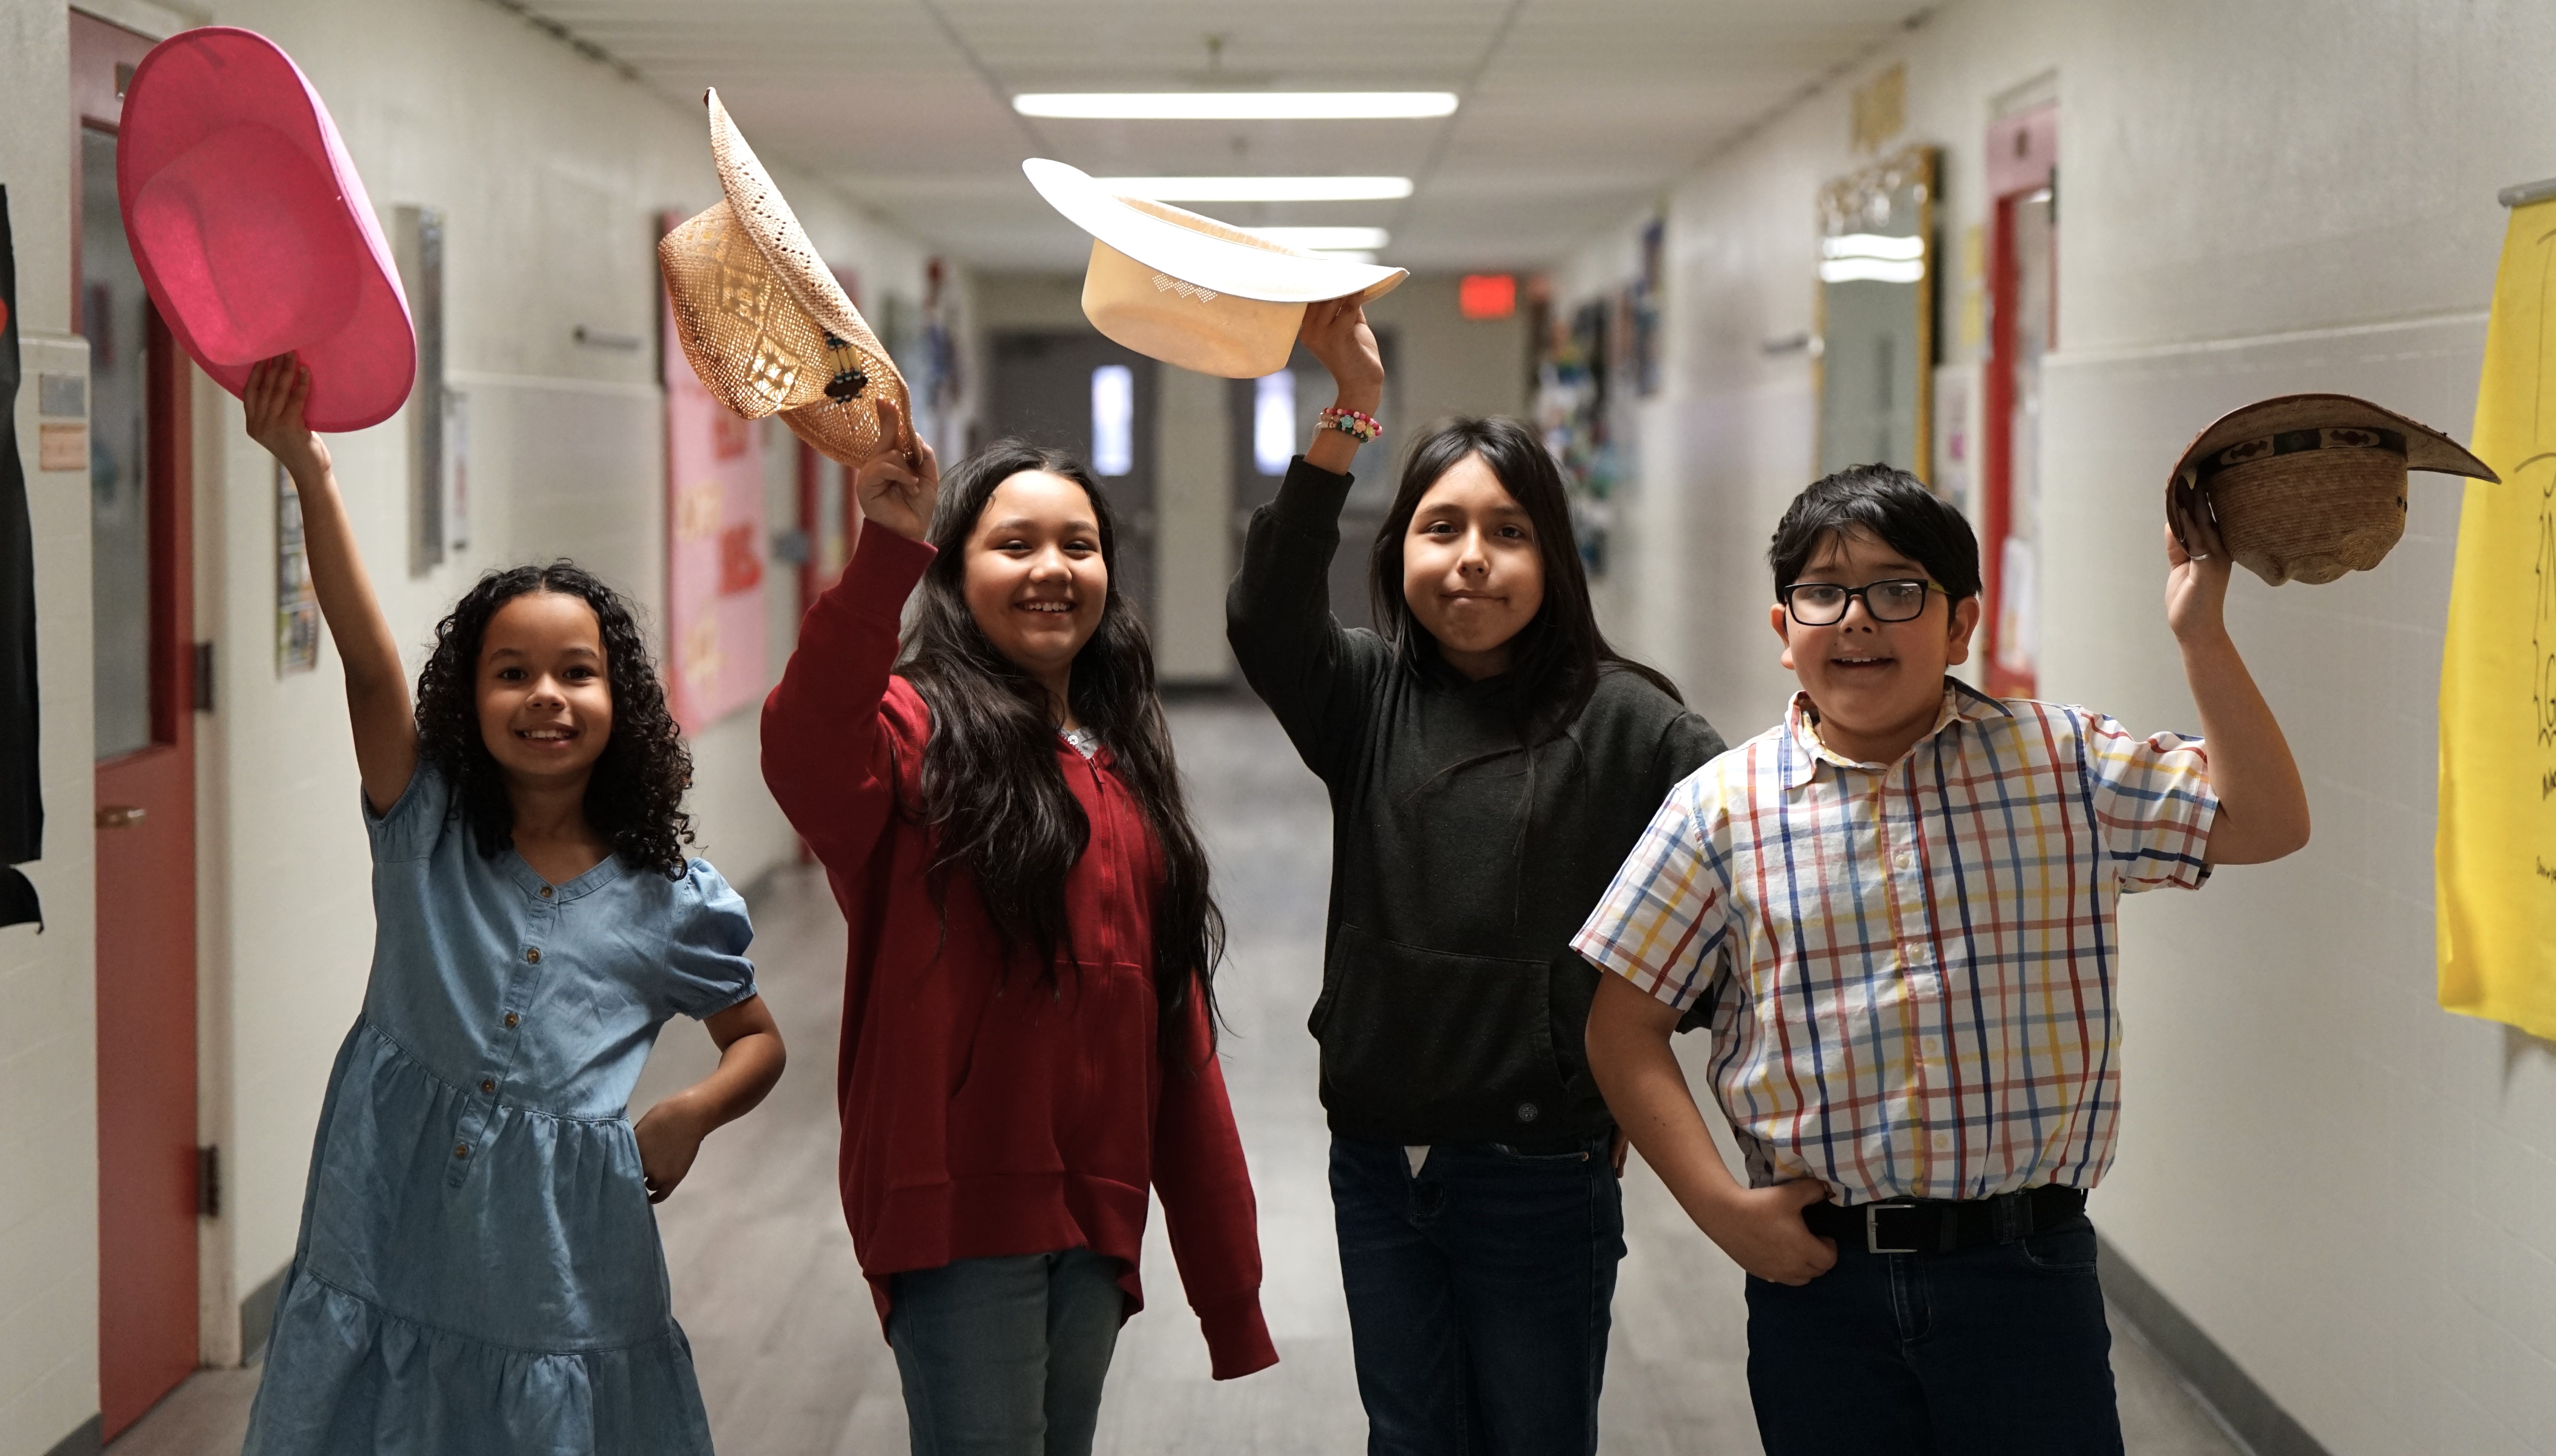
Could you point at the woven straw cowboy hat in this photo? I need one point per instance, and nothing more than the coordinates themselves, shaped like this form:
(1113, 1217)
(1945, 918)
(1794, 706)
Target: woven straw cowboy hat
(764, 323)
(2307, 487)
(1191, 291)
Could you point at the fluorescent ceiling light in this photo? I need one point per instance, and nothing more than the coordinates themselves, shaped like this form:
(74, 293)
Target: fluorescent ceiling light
(1261, 189)
(1871, 270)
(1327, 239)
(1344, 255)
(1233, 106)
(1873, 245)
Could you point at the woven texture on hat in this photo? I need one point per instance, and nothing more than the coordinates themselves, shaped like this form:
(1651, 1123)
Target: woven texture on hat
(755, 349)
(759, 205)
(2311, 516)
(848, 433)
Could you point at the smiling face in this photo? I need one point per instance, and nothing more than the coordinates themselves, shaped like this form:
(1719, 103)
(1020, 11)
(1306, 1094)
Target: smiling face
(1472, 570)
(1035, 579)
(1877, 685)
(545, 689)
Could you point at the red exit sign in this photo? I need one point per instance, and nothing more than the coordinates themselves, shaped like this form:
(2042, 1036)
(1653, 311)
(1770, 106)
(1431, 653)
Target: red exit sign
(1487, 295)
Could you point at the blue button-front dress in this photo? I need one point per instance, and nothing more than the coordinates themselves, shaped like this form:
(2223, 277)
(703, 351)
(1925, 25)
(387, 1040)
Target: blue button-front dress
(478, 1272)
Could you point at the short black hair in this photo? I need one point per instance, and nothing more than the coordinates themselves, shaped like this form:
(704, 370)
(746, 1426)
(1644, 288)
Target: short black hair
(1889, 504)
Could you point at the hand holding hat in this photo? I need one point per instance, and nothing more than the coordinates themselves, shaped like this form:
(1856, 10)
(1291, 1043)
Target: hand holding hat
(895, 490)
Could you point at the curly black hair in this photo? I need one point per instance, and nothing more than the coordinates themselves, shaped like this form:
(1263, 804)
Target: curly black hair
(636, 796)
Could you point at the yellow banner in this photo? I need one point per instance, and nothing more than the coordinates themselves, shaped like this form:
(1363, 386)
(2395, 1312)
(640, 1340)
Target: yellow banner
(2496, 858)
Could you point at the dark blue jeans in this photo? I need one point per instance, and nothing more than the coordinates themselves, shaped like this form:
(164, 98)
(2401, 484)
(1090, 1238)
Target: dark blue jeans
(1479, 1294)
(1005, 1356)
(1999, 1351)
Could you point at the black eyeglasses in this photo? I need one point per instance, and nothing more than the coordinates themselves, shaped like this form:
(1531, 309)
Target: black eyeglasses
(1822, 603)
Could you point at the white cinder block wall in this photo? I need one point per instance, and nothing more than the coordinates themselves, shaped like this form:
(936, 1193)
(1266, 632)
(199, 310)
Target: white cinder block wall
(2350, 1190)
(550, 168)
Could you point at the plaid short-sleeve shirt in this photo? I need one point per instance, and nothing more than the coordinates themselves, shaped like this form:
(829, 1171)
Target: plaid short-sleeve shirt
(1914, 961)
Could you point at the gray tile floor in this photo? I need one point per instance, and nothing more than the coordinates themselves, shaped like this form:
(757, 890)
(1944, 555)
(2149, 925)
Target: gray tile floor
(782, 1326)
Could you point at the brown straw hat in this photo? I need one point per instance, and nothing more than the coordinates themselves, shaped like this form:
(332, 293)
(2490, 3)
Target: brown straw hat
(2307, 487)
(764, 323)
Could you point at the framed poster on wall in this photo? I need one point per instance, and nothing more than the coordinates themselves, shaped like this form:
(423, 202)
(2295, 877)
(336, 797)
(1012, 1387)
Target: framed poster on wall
(715, 547)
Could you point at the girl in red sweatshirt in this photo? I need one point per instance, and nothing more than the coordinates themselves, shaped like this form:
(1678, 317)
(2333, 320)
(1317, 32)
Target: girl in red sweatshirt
(1028, 1032)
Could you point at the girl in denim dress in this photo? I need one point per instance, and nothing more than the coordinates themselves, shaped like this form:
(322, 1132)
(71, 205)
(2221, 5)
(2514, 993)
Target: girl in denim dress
(478, 1270)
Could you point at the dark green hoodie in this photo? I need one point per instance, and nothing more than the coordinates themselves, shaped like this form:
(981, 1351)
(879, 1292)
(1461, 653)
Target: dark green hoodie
(1453, 1006)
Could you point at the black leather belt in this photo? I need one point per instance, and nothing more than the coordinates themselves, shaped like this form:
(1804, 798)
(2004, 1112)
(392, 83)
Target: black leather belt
(1941, 1225)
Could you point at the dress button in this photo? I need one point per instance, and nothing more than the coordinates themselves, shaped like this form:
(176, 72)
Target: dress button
(487, 1086)
(534, 955)
(462, 1150)
(545, 892)
(511, 1018)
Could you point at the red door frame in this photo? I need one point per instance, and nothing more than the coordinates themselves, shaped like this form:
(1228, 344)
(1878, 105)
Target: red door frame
(148, 1275)
(2023, 158)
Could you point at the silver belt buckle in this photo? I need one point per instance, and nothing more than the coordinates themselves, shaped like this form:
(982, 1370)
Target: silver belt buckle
(1873, 1229)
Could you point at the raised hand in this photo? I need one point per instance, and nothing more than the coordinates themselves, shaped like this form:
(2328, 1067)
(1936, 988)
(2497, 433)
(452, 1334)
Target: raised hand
(277, 392)
(896, 490)
(1336, 334)
(2197, 568)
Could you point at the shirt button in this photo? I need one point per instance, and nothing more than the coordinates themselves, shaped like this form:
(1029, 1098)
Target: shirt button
(1906, 859)
(545, 892)
(487, 1086)
(1943, 1141)
(462, 1150)
(511, 1018)
(1931, 1045)
(534, 955)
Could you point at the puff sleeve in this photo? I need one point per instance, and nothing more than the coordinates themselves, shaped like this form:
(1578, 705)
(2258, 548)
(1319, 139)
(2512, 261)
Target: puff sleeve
(706, 970)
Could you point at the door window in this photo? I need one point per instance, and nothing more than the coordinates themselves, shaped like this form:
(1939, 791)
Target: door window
(115, 315)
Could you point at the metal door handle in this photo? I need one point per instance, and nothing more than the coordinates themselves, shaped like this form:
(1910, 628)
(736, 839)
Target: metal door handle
(120, 815)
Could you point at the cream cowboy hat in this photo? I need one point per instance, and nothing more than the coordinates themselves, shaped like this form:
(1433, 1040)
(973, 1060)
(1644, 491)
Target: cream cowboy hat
(2307, 487)
(1191, 291)
(764, 323)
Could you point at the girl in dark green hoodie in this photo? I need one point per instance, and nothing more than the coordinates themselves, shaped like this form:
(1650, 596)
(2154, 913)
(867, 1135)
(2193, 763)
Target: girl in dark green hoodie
(1490, 762)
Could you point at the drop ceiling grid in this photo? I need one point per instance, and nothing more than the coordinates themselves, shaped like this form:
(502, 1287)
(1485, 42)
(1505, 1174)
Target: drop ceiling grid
(1585, 108)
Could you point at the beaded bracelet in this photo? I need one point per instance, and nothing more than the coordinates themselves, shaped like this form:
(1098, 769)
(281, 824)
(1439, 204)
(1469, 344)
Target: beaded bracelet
(1356, 424)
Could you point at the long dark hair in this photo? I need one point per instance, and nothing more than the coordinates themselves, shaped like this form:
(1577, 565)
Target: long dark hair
(1557, 658)
(635, 797)
(992, 786)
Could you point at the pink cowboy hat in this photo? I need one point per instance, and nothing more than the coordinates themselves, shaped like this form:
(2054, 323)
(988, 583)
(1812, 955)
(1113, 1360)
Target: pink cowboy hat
(252, 229)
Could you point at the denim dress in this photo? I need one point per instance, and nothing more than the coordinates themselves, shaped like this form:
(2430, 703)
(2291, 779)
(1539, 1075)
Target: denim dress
(478, 1270)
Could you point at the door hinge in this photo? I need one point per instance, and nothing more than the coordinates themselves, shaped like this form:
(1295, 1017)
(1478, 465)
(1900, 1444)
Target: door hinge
(203, 677)
(208, 1182)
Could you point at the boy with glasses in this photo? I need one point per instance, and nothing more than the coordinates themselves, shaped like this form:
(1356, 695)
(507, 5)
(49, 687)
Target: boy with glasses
(1902, 901)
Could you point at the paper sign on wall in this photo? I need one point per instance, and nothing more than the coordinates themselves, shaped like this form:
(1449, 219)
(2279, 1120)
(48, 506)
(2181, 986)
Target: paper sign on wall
(714, 545)
(2495, 855)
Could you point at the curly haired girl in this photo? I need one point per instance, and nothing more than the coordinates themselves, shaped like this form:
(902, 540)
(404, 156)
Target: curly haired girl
(478, 1270)
(1028, 1035)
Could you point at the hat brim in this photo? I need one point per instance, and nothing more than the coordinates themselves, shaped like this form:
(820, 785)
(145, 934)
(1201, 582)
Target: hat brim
(252, 231)
(1202, 251)
(2426, 448)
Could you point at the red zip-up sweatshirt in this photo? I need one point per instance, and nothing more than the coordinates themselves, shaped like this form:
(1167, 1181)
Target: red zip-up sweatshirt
(988, 1110)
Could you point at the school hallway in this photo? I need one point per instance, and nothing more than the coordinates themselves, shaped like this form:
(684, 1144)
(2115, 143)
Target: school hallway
(782, 1326)
(1705, 252)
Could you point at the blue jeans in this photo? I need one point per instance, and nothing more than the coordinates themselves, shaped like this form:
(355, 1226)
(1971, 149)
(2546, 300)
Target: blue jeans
(1999, 1351)
(1004, 1357)
(1479, 1291)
